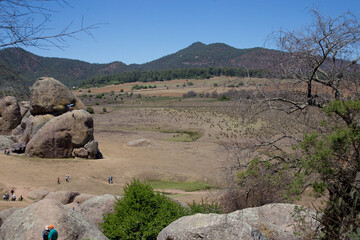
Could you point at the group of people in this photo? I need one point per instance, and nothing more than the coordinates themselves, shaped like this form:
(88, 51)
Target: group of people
(12, 197)
(49, 233)
(6, 151)
(110, 179)
(67, 178)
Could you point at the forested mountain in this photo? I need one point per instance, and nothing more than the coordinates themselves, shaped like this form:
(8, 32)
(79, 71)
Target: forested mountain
(199, 55)
(19, 68)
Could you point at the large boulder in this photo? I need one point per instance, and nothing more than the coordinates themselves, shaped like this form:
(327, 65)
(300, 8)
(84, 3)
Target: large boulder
(32, 125)
(92, 149)
(28, 223)
(94, 208)
(37, 194)
(48, 95)
(58, 137)
(5, 142)
(206, 226)
(65, 197)
(273, 221)
(6, 213)
(10, 115)
(83, 197)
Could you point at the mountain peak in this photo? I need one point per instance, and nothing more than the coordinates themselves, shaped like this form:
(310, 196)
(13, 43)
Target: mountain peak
(197, 44)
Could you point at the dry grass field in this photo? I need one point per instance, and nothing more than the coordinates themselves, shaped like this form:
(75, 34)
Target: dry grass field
(158, 136)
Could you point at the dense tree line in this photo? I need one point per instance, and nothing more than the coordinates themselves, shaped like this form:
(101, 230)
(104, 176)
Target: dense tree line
(170, 74)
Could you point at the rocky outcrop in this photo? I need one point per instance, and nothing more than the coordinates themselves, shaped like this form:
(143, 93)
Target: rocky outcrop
(10, 115)
(58, 137)
(24, 107)
(29, 222)
(32, 125)
(49, 96)
(83, 197)
(52, 125)
(92, 149)
(94, 208)
(6, 213)
(37, 194)
(272, 221)
(5, 142)
(65, 197)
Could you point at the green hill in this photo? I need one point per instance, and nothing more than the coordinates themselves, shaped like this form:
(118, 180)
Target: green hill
(19, 68)
(199, 55)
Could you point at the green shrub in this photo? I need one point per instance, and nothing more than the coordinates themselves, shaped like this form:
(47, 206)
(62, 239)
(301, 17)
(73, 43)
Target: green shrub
(104, 109)
(205, 207)
(90, 110)
(224, 98)
(97, 103)
(141, 213)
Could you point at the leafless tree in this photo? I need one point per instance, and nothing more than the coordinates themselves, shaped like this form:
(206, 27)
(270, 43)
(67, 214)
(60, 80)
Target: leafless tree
(319, 67)
(322, 58)
(27, 23)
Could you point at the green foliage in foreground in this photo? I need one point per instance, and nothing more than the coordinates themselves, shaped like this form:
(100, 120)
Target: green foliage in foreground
(143, 213)
(328, 160)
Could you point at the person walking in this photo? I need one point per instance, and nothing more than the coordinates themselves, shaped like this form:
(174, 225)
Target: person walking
(53, 234)
(58, 180)
(111, 179)
(67, 178)
(45, 233)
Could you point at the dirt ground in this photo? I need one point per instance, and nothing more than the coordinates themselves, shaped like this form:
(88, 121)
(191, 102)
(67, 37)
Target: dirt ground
(162, 159)
(165, 157)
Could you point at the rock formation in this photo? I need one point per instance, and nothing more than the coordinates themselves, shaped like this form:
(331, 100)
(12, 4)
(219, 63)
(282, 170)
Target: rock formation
(61, 135)
(10, 115)
(272, 221)
(51, 96)
(29, 222)
(5, 142)
(64, 197)
(52, 125)
(94, 208)
(37, 194)
(6, 213)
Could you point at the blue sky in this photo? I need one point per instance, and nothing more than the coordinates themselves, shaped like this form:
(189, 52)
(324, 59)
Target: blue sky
(139, 31)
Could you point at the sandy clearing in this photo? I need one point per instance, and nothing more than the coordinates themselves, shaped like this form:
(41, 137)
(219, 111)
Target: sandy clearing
(162, 160)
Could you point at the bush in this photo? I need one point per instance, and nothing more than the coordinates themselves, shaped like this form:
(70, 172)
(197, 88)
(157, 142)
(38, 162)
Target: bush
(205, 207)
(90, 110)
(141, 213)
(224, 98)
(189, 94)
(104, 109)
